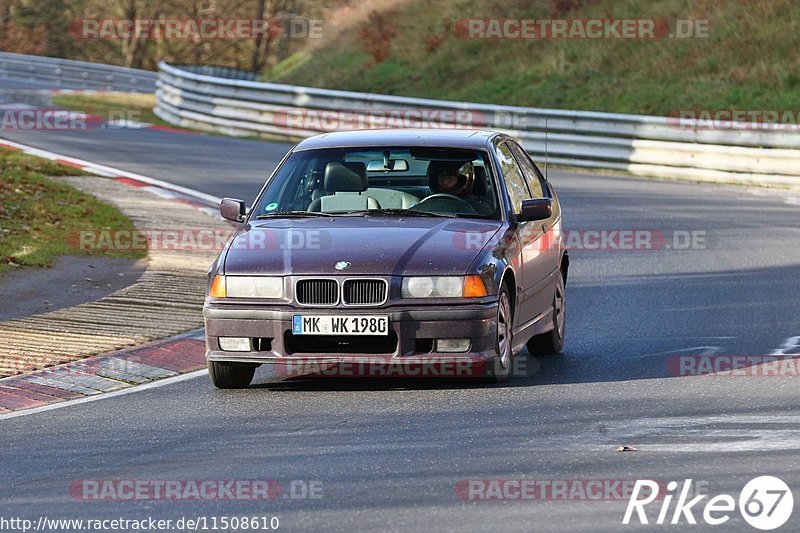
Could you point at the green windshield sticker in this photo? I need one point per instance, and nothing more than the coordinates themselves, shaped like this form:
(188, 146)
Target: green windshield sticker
(271, 207)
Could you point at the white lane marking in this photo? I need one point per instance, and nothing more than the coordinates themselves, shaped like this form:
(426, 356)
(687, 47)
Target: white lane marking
(693, 337)
(694, 350)
(791, 199)
(111, 172)
(790, 346)
(114, 394)
(697, 434)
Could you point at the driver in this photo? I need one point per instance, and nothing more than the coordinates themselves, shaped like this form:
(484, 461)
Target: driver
(456, 178)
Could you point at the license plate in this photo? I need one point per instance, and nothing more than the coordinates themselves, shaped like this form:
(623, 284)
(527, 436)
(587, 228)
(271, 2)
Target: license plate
(340, 325)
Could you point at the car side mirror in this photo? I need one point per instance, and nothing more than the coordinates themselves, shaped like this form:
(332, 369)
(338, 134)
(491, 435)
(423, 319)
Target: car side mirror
(232, 209)
(536, 209)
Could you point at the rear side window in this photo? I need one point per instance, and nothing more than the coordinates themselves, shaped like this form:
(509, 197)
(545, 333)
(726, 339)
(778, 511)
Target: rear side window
(515, 183)
(533, 177)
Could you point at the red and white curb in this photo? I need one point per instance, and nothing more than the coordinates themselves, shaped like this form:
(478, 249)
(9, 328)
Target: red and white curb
(130, 370)
(200, 200)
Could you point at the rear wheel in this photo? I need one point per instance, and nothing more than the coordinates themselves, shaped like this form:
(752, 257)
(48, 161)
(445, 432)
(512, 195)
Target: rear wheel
(553, 341)
(231, 375)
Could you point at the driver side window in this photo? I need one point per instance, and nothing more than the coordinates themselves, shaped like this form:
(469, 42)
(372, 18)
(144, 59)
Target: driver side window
(515, 183)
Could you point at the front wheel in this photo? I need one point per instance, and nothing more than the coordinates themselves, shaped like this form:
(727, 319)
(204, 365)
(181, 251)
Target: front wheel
(231, 375)
(501, 366)
(553, 341)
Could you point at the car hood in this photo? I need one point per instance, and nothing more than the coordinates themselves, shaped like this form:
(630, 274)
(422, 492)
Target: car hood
(371, 246)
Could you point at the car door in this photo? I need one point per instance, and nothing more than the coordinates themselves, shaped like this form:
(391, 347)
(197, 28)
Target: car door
(539, 188)
(532, 281)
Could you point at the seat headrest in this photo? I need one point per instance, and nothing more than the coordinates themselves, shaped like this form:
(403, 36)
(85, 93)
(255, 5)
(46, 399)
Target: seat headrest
(481, 185)
(346, 177)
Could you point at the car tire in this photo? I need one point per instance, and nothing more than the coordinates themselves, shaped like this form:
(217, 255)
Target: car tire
(230, 375)
(553, 341)
(501, 364)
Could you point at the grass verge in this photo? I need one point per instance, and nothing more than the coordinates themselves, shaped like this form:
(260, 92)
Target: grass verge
(743, 61)
(136, 107)
(40, 218)
(112, 106)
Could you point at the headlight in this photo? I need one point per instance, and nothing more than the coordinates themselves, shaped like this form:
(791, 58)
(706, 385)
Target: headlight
(433, 287)
(417, 287)
(449, 287)
(247, 287)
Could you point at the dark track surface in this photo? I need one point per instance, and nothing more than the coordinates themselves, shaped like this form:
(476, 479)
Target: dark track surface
(389, 453)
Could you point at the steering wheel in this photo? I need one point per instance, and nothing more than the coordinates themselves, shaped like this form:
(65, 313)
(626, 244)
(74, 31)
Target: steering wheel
(444, 199)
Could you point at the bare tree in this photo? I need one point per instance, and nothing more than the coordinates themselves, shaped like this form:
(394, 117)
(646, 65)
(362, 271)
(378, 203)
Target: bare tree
(255, 64)
(44, 27)
(5, 17)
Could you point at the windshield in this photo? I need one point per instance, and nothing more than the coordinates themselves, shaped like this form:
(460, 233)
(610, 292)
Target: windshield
(382, 182)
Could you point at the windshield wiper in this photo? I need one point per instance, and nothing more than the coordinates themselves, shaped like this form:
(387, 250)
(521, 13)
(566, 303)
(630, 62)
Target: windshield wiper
(295, 214)
(403, 212)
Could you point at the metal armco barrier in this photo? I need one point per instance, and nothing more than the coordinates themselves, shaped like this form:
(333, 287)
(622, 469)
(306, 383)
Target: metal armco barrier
(642, 145)
(67, 74)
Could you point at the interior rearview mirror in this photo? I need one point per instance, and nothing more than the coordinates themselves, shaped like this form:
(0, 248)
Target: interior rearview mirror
(394, 165)
(232, 209)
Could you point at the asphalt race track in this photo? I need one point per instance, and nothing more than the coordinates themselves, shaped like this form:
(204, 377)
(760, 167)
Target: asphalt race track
(390, 454)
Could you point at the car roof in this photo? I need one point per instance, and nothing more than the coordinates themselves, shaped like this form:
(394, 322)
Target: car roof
(445, 138)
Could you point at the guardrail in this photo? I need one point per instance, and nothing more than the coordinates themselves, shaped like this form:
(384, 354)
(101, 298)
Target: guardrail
(644, 145)
(68, 74)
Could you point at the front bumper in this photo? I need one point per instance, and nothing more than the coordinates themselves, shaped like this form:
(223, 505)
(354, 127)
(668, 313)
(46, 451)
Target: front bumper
(270, 330)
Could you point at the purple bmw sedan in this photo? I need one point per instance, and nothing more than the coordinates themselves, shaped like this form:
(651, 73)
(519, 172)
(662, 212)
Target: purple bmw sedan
(405, 247)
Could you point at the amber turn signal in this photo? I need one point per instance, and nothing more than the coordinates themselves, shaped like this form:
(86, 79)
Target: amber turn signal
(474, 287)
(218, 287)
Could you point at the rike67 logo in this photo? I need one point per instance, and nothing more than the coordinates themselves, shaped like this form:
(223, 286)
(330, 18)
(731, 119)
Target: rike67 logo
(765, 503)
